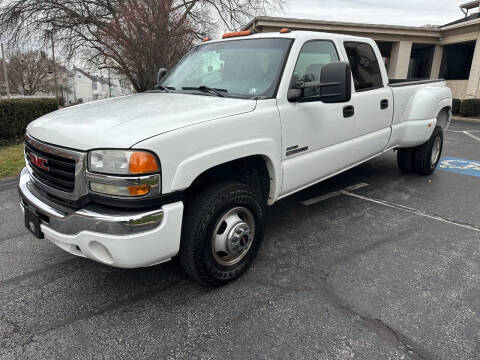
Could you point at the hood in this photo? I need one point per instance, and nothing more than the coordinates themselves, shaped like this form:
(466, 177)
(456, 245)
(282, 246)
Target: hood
(123, 122)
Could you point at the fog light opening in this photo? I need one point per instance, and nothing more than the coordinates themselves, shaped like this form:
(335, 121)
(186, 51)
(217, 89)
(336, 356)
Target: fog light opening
(100, 252)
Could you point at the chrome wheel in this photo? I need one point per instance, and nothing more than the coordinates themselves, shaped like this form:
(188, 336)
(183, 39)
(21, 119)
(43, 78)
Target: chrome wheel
(233, 236)
(436, 149)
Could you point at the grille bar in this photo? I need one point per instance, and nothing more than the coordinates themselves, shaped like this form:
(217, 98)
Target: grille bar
(59, 173)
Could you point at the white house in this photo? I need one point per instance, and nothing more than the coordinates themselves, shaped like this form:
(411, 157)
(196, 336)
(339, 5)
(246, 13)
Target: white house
(88, 87)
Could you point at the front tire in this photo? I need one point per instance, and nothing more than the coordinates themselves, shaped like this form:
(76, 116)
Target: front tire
(221, 234)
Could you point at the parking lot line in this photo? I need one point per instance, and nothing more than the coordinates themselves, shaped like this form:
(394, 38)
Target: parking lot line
(348, 191)
(333, 194)
(411, 210)
(461, 131)
(471, 135)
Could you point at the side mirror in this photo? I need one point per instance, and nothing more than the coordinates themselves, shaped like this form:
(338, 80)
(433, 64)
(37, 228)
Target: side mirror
(161, 74)
(335, 86)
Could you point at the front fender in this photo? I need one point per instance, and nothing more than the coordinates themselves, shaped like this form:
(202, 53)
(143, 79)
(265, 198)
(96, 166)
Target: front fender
(190, 168)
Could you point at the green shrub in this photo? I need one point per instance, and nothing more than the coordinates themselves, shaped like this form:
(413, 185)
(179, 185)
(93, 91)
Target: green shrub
(470, 107)
(16, 114)
(456, 103)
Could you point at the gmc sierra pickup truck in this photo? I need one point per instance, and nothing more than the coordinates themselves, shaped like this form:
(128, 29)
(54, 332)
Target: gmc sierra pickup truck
(190, 167)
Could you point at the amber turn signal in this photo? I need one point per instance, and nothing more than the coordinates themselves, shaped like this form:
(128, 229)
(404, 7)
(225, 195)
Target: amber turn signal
(138, 190)
(143, 162)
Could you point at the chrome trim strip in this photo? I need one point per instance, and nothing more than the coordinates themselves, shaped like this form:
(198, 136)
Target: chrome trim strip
(80, 188)
(154, 180)
(87, 219)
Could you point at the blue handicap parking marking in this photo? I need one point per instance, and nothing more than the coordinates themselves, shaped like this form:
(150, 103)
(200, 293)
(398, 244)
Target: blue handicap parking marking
(460, 166)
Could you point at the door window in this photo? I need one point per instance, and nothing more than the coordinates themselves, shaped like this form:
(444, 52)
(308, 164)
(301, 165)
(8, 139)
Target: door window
(312, 58)
(365, 68)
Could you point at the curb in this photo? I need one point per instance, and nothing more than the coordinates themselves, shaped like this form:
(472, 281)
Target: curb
(8, 179)
(473, 120)
(9, 183)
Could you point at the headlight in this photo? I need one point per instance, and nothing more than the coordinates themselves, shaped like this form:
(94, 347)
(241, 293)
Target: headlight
(122, 162)
(123, 173)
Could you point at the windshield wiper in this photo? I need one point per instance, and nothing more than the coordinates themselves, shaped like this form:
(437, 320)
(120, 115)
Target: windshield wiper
(163, 87)
(205, 88)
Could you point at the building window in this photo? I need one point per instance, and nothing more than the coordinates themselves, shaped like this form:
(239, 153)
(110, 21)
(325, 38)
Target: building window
(421, 59)
(386, 51)
(365, 69)
(457, 61)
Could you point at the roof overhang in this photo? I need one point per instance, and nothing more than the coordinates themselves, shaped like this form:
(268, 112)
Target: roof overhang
(428, 33)
(469, 5)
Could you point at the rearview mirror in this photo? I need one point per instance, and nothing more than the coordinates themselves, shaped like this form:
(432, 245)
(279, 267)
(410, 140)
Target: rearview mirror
(335, 86)
(161, 74)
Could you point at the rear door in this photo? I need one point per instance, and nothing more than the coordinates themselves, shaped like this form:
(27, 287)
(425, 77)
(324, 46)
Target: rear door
(372, 98)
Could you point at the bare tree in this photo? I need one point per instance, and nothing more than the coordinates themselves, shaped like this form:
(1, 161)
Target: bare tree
(28, 71)
(132, 37)
(142, 36)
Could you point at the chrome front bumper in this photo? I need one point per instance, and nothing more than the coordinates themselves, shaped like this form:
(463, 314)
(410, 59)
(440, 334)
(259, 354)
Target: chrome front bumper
(92, 218)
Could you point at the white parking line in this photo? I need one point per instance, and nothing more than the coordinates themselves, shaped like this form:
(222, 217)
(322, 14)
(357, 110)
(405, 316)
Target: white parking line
(333, 194)
(461, 131)
(412, 211)
(348, 192)
(471, 135)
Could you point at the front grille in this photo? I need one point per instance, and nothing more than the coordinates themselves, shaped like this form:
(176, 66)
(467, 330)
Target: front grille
(61, 171)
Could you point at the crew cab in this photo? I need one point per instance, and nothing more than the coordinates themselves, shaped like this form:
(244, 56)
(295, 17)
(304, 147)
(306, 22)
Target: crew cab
(189, 168)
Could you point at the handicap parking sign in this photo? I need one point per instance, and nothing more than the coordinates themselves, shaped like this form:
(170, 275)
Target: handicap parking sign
(460, 166)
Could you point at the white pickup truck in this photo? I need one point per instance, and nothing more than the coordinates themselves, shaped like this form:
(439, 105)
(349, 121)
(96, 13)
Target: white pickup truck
(190, 167)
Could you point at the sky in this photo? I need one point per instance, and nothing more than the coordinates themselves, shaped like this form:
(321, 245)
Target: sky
(391, 12)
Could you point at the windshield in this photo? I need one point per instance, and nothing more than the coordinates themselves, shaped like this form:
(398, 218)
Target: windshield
(240, 68)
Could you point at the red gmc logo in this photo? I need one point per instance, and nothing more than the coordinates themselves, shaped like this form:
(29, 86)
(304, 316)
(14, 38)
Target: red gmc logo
(39, 162)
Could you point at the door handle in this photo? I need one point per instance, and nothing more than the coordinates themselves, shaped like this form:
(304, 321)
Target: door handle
(348, 111)
(384, 104)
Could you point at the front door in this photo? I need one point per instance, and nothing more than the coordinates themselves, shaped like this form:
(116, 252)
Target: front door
(314, 134)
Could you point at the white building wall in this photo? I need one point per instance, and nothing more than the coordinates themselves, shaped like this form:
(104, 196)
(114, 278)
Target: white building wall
(82, 87)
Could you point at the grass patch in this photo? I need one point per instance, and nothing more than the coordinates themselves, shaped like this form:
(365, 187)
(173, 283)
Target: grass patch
(11, 160)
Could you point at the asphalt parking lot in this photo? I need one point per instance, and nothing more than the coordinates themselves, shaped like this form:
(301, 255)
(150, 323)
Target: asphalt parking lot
(388, 269)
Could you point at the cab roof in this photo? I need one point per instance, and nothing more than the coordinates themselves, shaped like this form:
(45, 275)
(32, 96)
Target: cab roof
(294, 34)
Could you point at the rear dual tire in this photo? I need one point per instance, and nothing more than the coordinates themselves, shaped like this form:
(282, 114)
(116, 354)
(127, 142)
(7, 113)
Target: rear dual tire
(422, 159)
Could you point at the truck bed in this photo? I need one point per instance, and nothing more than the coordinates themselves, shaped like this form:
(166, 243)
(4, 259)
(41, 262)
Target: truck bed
(411, 81)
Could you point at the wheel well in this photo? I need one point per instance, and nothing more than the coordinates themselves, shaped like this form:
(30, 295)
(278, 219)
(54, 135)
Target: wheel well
(442, 117)
(252, 170)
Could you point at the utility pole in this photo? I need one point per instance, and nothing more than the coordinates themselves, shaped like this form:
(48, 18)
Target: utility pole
(54, 68)
(5, 72)
(109, 85)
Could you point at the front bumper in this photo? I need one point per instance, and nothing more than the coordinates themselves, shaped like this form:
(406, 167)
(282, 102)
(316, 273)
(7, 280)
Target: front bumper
(126, 239)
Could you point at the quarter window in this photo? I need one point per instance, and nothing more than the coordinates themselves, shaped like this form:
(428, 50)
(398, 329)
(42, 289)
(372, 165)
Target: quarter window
(365, 68)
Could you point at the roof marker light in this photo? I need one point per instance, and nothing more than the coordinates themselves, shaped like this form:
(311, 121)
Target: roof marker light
(205, 39)
(285, 30)
(237, 34)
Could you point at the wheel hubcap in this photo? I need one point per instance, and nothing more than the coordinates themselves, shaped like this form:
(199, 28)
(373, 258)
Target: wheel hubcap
(437, 145)
(233, 236)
